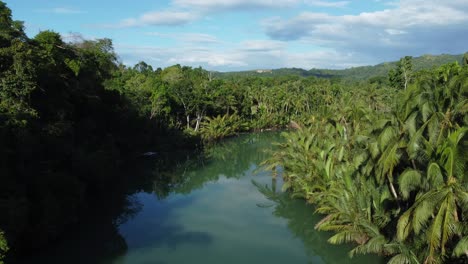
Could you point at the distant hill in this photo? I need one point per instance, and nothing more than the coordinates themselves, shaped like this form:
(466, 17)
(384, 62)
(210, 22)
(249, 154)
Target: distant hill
(355, 73)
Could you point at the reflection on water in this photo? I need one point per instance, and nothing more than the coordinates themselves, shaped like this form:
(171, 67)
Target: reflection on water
(301, 222)
(212, 208)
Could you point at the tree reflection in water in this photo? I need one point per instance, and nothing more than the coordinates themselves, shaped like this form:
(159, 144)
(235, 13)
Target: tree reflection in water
(301, 221)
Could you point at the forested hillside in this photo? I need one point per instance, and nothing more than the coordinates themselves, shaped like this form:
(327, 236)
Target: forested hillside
(355, 73)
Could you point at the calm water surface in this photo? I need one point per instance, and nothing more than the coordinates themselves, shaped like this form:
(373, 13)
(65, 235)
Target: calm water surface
(215, 208)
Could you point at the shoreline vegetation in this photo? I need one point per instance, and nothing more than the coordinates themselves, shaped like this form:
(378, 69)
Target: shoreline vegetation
(391, 180)
(384, 159)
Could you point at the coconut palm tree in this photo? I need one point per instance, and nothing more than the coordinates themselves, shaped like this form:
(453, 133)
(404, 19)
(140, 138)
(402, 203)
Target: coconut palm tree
(440, 213)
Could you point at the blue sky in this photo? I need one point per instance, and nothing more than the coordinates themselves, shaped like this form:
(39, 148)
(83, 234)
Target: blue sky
(231, 35)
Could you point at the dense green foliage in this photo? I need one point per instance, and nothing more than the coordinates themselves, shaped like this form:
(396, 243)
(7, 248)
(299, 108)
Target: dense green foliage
(393, 179)
(401, 76)
(63, 134)
(220, 127)
(189, 99)
(3, 246)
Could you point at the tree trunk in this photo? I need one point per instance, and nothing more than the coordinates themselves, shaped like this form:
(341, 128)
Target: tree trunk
(188, 121)
(199, 118)
(392, 189)
(406, 79)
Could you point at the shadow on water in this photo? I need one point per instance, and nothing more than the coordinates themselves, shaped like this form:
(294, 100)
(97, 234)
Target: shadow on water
(158, 187)
(96, 239)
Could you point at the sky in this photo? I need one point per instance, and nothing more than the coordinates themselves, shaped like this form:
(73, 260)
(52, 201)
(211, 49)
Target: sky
(231, 35)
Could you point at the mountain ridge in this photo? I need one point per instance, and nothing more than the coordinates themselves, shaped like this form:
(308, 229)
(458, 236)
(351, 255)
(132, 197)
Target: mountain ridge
(426, 61)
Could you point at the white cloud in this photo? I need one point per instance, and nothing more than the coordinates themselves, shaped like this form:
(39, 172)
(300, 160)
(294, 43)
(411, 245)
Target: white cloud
(186, 55)
(249, 54)
(185, 11)
(216, 5)
(392, 31)
(208, 59)
(167, 18)
(262, 45)
(158, 18)
(412, 28)
(61, 10)
(322, 3)
(188, 37)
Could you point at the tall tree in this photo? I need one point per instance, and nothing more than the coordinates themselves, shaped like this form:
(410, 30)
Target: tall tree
(17, 70)
(403, 74)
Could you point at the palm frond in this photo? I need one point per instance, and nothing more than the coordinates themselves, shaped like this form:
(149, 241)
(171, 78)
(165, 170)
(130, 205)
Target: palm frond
(408, 181)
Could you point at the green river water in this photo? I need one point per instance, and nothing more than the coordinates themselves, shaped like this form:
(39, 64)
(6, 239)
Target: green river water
(212, 208)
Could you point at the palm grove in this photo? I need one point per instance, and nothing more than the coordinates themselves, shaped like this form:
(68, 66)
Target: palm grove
(382, 160)
(390, 179)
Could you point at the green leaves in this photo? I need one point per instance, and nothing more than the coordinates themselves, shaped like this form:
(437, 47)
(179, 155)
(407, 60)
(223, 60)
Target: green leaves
(403, 74)
(450, 156)
(461, 249)
(18, 80)
(375, 245)
(219, 127)
(416, 152)
(74, 65)
(3, 245)
(344, 237)
(286, 186)
(408, 181)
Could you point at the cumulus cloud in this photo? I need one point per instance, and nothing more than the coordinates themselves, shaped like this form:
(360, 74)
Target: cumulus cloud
(188, 55)
(414, 26)
(188, 37)
(210, 59)
(158, 18)
(321, 3)
(186, 11)
(250, 54)
(327, 40)
(262, 45)
(61, 10)
(216, 5)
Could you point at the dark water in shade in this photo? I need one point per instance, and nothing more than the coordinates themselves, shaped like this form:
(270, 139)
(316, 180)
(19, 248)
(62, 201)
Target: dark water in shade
(216, 209)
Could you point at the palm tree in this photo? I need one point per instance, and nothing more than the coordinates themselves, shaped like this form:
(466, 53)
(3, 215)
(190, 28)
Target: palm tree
(387, 144)
(372, 171)
(441, 212)
(355, 212)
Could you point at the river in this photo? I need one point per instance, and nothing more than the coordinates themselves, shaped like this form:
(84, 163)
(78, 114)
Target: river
(213, 208)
